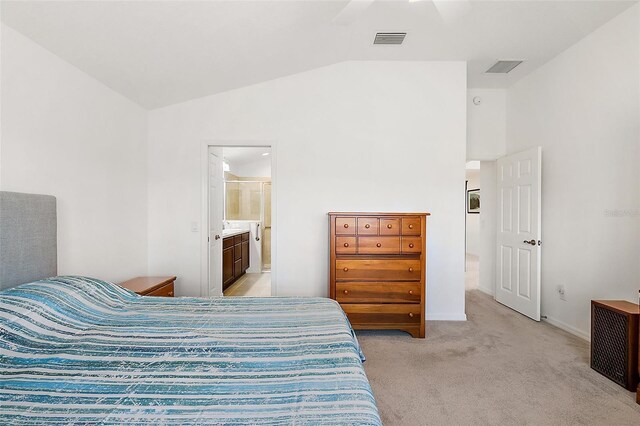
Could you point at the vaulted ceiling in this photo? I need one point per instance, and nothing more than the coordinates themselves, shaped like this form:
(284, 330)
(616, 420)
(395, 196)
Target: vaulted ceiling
(159, 53)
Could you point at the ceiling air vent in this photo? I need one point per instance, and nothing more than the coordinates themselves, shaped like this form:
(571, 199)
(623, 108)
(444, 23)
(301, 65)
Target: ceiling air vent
(389, 38)
(503, 67)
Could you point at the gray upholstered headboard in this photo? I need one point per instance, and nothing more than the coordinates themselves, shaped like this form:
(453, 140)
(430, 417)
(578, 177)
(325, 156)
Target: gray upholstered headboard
(28, 238)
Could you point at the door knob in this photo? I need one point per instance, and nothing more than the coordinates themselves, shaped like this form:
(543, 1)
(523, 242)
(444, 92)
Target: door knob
(532, 242)
(217, 237)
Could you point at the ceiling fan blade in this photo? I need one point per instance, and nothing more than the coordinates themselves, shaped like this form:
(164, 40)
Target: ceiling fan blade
(351, 11)
(452, 10)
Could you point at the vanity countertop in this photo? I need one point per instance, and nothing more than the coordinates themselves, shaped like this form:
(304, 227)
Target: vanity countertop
(226, 233)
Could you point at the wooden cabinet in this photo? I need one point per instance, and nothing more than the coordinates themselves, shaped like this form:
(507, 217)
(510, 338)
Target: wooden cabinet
(245, 255)
(614, 341)
(377, 269)
(227, 267)
(235, 258)
(151, 286)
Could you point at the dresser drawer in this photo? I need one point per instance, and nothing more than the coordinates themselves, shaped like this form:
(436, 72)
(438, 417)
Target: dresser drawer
(164, 291)
(346, 245)
(411, 225)
(345, 225)
(389, 226)
(378, 269)
(382, 314)
(378, 245)
(411, 245)
(378, 292)
(368, 225)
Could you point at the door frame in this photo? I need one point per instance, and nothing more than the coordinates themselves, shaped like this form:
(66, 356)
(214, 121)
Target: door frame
(204, 218)
(217, 153)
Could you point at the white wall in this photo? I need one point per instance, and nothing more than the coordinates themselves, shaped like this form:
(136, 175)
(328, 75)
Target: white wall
(486, 141)
(258, 168)
(67, 135)
(486, 126)
(583, 108)
(473, 219)
(488, 227)
(370, 136)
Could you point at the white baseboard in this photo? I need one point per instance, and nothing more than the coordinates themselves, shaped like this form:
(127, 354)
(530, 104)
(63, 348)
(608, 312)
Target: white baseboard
(446, 317)
(568, 328)
(488, 291)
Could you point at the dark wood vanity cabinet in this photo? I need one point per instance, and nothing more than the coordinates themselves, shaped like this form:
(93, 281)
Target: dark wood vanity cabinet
(245, 255)
(227, 263)
(235, 258)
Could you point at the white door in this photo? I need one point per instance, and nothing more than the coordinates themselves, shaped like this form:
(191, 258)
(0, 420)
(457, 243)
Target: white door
(216, 202)
(519, 229)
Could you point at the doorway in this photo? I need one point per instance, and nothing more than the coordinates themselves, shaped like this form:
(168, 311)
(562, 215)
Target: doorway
(239, 220)
(472, 226)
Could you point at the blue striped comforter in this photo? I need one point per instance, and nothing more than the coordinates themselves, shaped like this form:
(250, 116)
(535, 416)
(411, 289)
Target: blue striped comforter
(80, 350)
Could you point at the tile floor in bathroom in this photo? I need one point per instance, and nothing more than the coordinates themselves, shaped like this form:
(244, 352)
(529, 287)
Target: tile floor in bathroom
(253, 285)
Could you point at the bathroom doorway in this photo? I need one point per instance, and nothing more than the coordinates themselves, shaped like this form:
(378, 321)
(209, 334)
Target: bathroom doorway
(239, 216)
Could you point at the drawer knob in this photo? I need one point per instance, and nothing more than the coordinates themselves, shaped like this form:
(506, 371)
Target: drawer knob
(410, 245)
(346, 292)
(410, 314)
(367, 226)
(411, 292)
(389, 226)
(345, 269)
(346, 244)
(346, 225)
(410, 269)
(378, 245)
(410, 226)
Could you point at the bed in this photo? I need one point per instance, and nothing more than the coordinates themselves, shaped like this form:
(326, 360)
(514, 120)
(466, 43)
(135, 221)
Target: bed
(85, 351)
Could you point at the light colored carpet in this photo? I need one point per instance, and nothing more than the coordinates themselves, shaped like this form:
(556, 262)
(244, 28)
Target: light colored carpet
(498, 368)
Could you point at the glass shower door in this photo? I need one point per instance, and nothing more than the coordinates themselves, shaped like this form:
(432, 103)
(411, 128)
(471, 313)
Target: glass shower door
(266, 234)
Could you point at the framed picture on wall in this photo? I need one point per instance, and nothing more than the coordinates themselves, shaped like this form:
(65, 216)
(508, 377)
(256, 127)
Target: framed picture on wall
(473, 201)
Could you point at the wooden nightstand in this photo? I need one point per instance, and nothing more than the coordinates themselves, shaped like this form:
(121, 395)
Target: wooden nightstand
(151, 286)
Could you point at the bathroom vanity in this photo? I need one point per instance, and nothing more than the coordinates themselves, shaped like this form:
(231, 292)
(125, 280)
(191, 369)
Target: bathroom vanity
(235, 256)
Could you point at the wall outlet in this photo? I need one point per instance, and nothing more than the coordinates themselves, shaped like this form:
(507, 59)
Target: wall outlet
(561, 293)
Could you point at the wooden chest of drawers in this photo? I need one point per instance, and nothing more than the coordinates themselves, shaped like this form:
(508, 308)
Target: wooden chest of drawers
(377, 269)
